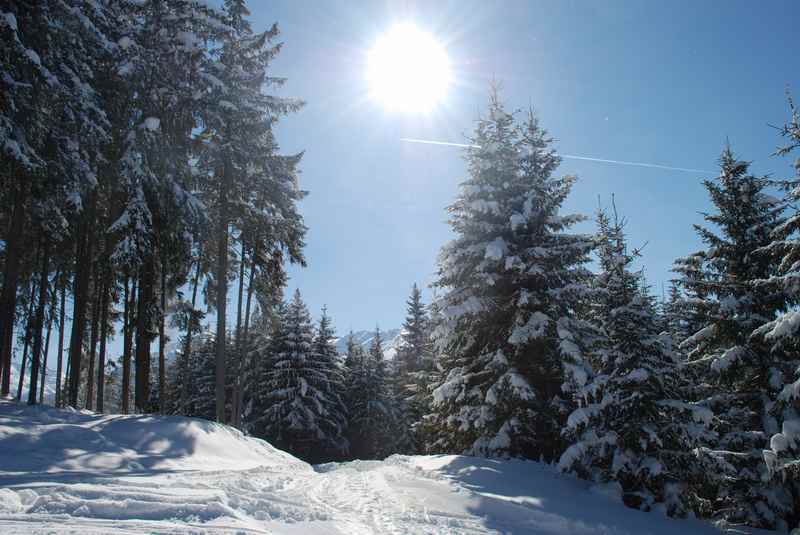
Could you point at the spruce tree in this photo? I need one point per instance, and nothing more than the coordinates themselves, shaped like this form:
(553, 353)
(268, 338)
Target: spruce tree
(412, 367)
(303, 412)
(333, 445)
(628, 426)
(513, 279)
(371, 413)
(782, 334)
(733, 368)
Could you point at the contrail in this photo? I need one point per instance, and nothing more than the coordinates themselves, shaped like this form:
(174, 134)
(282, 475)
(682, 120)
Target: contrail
(637, 164)
(445, 143)
(569, 157)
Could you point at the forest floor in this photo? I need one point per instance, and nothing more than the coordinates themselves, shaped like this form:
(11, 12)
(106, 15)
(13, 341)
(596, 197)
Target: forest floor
(63, 471)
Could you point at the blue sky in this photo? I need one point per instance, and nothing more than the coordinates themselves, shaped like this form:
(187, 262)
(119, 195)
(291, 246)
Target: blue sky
(639, 81)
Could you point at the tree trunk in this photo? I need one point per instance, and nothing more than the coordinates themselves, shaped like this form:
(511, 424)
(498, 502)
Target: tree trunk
(28, 333)
(94, 335)
(249, 294)
(162, 341)
(143, 334)
(190, 327)
(237, 389)
(127, 344)
(53, 306)
(46, 352)
(39, 324)
(61, 319)
(101, 363)
(222, 292)
(246, 331)
(126, 347)
(8, 296)
(83, 267)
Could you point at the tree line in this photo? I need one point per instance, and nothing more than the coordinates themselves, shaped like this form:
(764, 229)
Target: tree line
(139, 166)
(691, 405)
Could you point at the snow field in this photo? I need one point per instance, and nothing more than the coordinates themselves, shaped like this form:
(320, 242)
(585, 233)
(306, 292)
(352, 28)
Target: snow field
(76, 472)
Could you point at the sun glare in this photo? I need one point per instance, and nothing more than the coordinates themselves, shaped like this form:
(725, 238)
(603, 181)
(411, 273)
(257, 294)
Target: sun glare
(408, 70)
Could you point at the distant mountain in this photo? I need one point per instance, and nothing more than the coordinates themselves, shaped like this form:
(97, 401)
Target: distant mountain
(391, 340)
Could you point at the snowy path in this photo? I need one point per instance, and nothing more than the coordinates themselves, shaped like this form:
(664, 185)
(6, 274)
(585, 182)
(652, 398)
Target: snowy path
(67, 472)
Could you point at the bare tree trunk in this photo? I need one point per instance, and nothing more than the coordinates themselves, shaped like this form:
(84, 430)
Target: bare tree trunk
(190, 327)
(83, 267)
(8, 296)
(143, 334)
(162, 335)
(65, 386)
(46, 352)
(237, 390)
(94, 335)
(249, 294)
(127, 344)
(246, 331)
(39, 324)
(222, 292)
(24, 363)
(101, 364)
(28, 334)
(61, 319)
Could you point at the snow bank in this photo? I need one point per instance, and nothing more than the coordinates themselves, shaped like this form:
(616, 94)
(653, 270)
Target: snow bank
(516, 496)
(76, 472)
(42, 440)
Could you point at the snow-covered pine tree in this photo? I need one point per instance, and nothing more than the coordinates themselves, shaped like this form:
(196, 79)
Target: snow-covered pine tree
(371, 428)
(269, 340)
(334, 445)
(628, 427)
(783, 333)
(413, 364)
(414, 348)
(303, 413)
(734, 369)
(201, 380)
(674, 312)
(513, 280)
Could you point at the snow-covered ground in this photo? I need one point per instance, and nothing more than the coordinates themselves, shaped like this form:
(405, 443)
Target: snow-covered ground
(71, 472)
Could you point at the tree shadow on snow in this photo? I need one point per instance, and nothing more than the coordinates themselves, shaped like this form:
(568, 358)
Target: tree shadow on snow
(43, 443)
(516, 496)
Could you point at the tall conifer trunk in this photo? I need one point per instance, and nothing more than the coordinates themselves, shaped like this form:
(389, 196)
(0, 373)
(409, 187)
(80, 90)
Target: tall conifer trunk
(162, 340)
(101, 363)
(130, 293)
(143, 333)
(27, 344)
(39, 323)
(237, 389)
(83, 267)
(222, 291)
(46, 352)
(8, 297)
(94, 335)
(190, 327)
(60, 362)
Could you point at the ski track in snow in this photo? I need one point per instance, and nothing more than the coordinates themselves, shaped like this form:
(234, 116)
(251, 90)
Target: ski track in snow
(78, 473)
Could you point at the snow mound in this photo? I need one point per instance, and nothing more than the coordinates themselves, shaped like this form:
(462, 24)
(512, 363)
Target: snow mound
(76, 472)
(44, 440)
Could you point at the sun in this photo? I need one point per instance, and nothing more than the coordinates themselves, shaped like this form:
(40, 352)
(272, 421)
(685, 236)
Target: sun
(408, 70)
